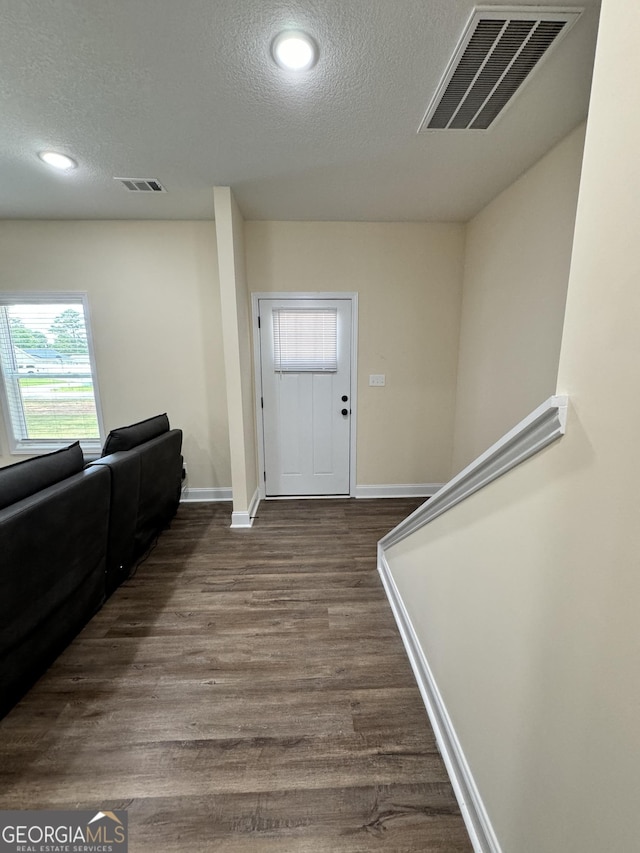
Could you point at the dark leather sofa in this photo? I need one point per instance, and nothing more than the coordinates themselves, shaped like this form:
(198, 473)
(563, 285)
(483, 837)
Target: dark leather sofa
(70, 534)
(54, 523)
(145, 464)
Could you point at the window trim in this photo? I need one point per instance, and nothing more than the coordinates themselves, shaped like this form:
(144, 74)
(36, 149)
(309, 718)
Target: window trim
(30, 447)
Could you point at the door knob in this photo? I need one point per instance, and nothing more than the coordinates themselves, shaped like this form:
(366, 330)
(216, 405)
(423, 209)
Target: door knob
(344, 398)
(345, 411)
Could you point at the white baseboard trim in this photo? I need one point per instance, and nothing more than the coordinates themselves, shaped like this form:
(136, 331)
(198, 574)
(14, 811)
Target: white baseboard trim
(544, 425)
(245, 519)
(481, 833)
(208, 495)
(411, 490)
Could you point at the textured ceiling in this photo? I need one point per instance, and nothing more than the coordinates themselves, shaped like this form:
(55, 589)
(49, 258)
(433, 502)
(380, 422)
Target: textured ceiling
(186, 92)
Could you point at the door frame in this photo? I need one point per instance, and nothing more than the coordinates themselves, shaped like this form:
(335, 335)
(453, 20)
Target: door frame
(257, 376)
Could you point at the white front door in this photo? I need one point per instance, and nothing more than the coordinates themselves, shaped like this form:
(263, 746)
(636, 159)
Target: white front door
(305, 361)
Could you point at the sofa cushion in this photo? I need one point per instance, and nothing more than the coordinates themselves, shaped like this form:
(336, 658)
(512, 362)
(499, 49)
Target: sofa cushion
(126, 438)
(24, 479)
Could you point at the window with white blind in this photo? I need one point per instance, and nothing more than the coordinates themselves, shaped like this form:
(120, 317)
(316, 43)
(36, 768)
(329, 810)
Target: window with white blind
(305, 339)
(46, 359)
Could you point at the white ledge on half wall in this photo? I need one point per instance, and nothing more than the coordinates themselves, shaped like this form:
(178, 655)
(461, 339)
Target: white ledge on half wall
(539, 429)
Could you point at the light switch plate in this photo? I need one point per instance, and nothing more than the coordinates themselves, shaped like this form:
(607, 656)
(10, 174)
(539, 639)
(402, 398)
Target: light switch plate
(376, 379)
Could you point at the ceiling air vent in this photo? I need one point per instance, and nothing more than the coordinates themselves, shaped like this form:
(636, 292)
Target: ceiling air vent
(141, 185)
(497, 52)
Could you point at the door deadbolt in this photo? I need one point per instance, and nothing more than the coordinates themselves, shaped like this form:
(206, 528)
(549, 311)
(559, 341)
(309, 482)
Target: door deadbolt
(344, 398)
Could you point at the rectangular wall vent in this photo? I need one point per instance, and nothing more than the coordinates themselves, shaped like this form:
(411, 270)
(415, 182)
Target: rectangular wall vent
(498, 51)
(141, 185)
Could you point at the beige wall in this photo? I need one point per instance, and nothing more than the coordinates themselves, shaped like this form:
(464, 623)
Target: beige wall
(517, 257)
(149, 282)
(236, 330)
(526, 595)
(408, 277)
(155, 315)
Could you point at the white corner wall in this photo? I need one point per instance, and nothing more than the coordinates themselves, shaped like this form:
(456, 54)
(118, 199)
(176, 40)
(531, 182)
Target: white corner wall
(525, 596)
(155, 316)
(517, 257)
(408, 278)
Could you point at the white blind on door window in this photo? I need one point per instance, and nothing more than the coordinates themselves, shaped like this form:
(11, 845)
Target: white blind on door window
(305, 339)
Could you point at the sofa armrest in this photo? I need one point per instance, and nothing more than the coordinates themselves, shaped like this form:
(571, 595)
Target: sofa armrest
(160, 484)
(124, 468)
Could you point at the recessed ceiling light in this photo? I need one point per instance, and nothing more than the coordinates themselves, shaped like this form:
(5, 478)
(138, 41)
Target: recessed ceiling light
(295, 50)
(58, 161)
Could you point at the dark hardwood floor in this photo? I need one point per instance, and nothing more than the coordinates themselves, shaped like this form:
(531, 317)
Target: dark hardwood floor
(246, 692)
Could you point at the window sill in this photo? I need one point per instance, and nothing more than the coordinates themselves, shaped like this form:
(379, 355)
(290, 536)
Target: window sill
(90, 449)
